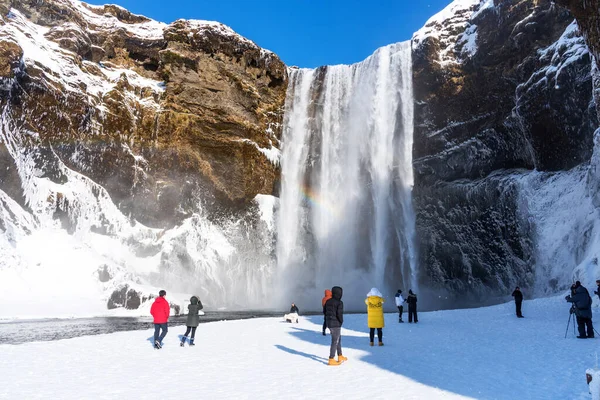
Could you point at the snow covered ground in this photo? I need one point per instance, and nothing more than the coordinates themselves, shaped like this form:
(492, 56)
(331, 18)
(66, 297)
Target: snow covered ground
(484, 353)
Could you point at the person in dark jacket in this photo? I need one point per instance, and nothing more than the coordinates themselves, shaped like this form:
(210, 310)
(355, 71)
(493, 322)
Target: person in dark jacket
(582, 303)
(597, 291)
(412, 307)
(193, 320)
(160, 310)
(334, 314)
(518, 295)
(294, 309)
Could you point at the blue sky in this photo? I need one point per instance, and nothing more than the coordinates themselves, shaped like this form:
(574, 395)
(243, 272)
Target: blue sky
(306, 33)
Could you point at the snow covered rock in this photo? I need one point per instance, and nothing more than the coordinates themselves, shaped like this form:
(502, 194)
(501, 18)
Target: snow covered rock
(587, 13)
(135, 147)
(501, 88)
(152, 112)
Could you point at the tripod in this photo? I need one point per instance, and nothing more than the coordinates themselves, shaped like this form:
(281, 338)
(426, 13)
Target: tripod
(571, 312)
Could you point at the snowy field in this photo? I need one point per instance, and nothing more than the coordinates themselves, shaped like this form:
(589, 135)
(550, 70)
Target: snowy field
(484, 353)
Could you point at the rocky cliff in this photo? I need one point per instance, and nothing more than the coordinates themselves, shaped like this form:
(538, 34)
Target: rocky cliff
(162, 116)
(587, 13)
(156, 140)
(136, 155)
(502, 88)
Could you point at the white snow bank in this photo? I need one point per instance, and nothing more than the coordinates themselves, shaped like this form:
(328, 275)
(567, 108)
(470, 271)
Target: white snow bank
(484, 353)
(566, 237)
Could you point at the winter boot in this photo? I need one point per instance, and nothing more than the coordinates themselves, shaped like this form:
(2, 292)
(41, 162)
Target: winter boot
(381, 343)
(341, 358)
(333, 362)
(371, 344)
(192, 342)
(401, 321)
(182, 342)
(157, 344)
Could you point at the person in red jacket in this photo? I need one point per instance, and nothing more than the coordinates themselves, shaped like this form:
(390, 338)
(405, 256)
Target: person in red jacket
(160, 310)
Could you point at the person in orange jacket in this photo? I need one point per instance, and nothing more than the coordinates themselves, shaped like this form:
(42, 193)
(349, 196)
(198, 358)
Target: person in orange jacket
(374, 302)
(323, 301)
(160, 310)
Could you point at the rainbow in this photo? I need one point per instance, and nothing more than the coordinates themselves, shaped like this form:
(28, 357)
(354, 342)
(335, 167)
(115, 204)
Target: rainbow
(316, 200)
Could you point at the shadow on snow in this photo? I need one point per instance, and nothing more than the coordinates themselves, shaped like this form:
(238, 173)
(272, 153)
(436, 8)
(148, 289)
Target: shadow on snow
(484, 353)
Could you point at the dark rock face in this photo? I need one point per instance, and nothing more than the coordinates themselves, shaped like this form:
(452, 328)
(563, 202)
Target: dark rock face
(131, 299)
(587, 13)
(125, 297)
(522, 100)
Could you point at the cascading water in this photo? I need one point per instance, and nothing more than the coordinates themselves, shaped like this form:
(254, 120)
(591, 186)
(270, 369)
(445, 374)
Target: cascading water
(345, 214)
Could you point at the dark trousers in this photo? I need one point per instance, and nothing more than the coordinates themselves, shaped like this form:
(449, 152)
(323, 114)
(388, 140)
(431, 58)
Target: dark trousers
(336, 342)
(582, 324)
(379, 334)
(518, 306)
(157, 329)
(187, 331)
(412, 313)
(400, 310)
(324, 324)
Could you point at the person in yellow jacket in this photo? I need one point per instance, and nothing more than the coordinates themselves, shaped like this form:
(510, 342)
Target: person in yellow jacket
(374, 302)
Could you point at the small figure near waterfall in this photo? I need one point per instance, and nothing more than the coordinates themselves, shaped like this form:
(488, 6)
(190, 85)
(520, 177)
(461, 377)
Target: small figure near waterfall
(323, 301)
(293, 314)
(399, 301)
(518, 295)
(374, 302)
(193, 320)
(597, 291)
(334, 314)
(412, 306)
(160, 311)
(294, 309)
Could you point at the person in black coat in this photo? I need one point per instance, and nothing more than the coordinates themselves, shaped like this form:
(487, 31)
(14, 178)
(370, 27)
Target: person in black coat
(412, 307)
(193, 320)
(582, 307)
(334, 315)
(294, 309)
(518, 295)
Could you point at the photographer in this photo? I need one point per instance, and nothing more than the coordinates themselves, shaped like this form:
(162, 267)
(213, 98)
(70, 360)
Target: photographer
(582, 307)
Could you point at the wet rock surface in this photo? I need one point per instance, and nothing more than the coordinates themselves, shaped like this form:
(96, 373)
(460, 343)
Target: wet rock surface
(521, 101)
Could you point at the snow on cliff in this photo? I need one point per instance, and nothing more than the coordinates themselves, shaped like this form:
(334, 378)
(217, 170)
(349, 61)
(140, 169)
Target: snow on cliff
(455, 30)
(75, 271)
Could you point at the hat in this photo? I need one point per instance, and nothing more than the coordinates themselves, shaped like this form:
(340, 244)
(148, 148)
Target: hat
(162, 293)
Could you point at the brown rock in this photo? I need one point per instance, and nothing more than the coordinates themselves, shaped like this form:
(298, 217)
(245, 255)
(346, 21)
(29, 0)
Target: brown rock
(10, 57)
(160, 149)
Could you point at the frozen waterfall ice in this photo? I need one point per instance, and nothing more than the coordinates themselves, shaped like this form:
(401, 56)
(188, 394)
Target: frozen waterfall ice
(346, 214)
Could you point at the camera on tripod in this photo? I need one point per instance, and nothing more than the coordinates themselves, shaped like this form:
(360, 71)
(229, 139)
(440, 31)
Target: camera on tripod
(573, 310)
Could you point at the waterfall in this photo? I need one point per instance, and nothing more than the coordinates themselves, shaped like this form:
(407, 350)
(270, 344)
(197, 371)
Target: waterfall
(346, 215)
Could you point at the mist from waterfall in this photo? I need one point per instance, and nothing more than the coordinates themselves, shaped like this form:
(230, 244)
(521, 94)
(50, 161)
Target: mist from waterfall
(346, 215)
